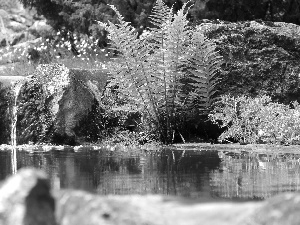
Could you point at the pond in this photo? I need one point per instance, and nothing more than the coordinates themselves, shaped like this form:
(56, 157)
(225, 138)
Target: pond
(209, 175)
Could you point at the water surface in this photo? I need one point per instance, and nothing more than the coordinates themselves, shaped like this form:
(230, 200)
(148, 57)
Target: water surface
(198, 174)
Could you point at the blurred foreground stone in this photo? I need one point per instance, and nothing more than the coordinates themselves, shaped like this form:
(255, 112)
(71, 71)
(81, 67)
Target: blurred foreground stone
(25, 198)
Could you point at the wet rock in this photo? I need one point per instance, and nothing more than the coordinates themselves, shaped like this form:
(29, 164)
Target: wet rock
(25, 199)
(259, 57)
(54, 100)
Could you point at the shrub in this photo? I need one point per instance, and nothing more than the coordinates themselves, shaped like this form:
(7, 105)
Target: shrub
(257, 120)
(167, 72)
(5, 99)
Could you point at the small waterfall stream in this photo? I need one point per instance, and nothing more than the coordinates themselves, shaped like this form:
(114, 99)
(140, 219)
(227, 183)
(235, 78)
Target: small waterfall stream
(16, 90)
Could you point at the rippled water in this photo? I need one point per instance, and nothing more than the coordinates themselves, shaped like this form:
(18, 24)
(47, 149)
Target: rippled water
(202, 174)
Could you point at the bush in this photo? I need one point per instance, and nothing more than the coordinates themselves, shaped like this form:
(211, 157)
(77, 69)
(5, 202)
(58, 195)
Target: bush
(5, 119)
(257, 120)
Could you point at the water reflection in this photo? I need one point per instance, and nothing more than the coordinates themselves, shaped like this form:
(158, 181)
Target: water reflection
(253, 175)
(196, 174)
(14, 160)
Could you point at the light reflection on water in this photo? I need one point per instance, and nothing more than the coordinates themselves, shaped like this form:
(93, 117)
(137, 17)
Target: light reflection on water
(210, 175)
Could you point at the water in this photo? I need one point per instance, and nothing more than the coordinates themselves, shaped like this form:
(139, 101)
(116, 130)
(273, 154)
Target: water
(16, 90)
(208, 175)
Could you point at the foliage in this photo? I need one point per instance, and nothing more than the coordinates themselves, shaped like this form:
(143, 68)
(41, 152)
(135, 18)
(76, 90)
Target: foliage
(34, 116)
(5, 98)
(110, 122)
(71, 50)
(257, 120)
(80, 16)
(151, 70)
(236, 10)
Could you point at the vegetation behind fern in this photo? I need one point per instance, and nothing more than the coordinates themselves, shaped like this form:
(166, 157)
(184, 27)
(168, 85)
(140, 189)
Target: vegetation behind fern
(169, 72)
(257, 120)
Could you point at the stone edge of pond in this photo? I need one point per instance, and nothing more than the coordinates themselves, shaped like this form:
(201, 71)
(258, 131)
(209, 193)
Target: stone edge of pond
(260, 148)
(237, 148)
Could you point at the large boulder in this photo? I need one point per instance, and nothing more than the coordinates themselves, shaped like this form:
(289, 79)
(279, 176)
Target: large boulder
(74, 207)
(54, 100)
(259, 57)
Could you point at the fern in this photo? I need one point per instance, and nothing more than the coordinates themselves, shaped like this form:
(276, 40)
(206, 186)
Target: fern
(149, 69)
(204, 63)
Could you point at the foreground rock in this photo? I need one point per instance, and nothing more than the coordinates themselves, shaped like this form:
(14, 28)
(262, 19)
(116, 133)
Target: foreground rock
(25, 199)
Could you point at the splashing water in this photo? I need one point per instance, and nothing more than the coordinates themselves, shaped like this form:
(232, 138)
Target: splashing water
(16, 90)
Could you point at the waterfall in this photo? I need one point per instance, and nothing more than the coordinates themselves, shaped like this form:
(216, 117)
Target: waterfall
(16, 90)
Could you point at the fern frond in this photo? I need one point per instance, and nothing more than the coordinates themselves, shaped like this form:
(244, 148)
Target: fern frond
(204, 63)
(160, 14)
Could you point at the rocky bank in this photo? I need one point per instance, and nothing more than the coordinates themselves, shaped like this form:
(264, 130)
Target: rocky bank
(26, 198)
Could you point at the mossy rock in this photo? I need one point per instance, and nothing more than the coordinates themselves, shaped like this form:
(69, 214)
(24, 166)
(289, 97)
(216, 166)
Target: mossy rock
(259, 58)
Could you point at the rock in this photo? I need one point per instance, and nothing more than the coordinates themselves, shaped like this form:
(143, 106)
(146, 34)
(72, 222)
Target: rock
(16, 26)
(4, 15)
(17, 38)
(25, 199)
(259, 57)
(281, 209)
(54, 101)
(40, 28)
(74, 207)
(3, 41)
(19, 18)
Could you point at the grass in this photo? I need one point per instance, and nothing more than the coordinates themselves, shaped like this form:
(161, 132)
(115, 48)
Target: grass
(21, 60)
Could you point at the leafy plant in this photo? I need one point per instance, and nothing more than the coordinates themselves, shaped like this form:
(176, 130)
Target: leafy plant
(167, 72)
(257, 120)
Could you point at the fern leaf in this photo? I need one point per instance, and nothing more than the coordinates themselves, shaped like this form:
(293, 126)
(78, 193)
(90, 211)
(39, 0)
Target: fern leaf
(160, 14)
(205, 63)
